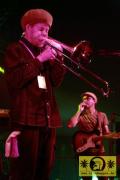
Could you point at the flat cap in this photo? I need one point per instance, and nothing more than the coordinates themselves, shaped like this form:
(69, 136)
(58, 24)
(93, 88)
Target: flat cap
(34, 16)
(91, 95)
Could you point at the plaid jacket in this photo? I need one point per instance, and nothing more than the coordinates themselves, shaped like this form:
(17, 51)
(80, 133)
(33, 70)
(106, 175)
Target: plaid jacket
(31, 105)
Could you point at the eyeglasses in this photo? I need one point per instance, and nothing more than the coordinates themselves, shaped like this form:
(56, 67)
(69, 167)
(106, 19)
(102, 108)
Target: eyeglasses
(86, 97)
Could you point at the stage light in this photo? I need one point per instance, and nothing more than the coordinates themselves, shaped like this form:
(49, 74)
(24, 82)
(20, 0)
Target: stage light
(2, 71)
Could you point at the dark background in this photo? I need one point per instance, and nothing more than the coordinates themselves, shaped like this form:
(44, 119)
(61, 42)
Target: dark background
(96, 21)
(74, 21)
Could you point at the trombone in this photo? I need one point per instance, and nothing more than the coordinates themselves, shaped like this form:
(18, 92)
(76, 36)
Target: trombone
(80, 55)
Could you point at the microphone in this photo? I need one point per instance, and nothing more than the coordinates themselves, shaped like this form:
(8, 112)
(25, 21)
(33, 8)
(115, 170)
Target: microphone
(82, 106)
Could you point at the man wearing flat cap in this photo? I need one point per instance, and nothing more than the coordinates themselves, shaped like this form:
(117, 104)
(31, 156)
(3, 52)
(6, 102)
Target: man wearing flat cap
(32, 73)
(90, 123)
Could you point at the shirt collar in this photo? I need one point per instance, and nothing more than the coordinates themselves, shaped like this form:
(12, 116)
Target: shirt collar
(35, 50)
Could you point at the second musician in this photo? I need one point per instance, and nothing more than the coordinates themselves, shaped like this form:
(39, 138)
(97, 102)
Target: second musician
(91, 123)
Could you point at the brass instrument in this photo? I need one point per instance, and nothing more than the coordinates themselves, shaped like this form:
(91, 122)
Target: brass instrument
(78, 57)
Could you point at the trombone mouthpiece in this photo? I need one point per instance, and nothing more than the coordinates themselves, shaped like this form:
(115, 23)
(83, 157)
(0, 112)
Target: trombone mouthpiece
(54, 44)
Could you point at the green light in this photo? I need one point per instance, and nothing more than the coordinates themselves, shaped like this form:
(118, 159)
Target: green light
(2, 70)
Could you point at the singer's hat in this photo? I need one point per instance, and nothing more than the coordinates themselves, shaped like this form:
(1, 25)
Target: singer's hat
(91, 95)
(34, 16)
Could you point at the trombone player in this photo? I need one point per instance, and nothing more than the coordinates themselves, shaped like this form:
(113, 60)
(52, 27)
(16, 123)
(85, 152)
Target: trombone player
(31, 74)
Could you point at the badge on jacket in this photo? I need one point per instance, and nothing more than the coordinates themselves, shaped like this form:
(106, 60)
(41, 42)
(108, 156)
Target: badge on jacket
(41, 82)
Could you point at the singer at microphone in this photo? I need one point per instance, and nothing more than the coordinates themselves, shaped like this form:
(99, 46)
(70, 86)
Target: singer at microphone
(74, 120)
(91, 123)
(86, 115)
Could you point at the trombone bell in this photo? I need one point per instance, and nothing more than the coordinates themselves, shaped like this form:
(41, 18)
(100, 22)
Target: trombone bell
(83, 52)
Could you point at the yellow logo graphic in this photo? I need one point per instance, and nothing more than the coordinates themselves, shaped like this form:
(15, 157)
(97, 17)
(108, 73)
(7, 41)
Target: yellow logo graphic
(98, 165)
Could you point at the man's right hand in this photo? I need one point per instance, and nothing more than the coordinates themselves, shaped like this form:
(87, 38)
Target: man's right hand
(48, 54)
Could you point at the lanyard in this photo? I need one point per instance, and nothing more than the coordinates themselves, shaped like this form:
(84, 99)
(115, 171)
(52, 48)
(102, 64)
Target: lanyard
(27, 48)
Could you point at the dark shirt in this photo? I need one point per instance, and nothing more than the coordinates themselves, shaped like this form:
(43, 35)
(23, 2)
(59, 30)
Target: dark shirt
(31, 105)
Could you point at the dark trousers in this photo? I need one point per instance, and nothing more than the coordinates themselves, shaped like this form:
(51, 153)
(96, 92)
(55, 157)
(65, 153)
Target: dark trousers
(36, 148)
